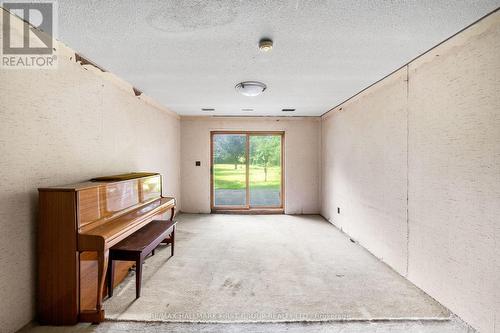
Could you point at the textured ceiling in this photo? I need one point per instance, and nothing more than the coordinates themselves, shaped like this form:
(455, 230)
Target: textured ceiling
(190, 54)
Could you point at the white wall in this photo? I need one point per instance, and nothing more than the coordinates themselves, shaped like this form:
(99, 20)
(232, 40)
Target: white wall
(364, 170)
(414, 164)
(62, 126)
(454, 173)
(302, 137)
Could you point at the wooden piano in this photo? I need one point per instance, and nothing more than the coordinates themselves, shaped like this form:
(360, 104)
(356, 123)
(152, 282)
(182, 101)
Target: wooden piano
(78, 224)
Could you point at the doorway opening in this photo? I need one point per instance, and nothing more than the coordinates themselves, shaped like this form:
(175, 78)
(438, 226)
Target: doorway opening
(246, 171)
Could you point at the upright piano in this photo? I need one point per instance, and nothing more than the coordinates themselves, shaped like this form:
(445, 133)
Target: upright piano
(78, 224)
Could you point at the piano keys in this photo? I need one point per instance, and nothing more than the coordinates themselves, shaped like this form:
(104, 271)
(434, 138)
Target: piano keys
(78, 224)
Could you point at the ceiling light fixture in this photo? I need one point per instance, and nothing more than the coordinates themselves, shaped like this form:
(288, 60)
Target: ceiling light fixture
(250, 88)
(265, 45)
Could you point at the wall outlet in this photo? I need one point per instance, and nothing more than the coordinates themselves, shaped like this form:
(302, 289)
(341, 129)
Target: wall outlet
(338, 210)
(197, 163)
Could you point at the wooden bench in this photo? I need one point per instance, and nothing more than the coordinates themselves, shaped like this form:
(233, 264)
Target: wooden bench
(138, 246)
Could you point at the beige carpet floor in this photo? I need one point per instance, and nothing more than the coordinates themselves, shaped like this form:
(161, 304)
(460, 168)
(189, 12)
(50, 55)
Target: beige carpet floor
(271, 268)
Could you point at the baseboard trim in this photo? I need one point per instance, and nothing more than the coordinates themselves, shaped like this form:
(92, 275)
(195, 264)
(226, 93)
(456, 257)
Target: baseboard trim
(254, 211)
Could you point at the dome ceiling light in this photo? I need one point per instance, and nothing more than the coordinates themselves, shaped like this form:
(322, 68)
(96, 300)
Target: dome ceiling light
(250, 88)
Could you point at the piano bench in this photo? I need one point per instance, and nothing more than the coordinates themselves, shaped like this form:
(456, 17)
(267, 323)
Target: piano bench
(138, 246)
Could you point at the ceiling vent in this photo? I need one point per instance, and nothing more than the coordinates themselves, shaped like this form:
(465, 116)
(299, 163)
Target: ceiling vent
(287, 110)
(248, 109)
(207, 109)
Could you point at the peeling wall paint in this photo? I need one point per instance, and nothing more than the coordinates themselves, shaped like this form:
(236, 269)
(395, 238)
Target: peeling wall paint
(61, 126)
(414, 164)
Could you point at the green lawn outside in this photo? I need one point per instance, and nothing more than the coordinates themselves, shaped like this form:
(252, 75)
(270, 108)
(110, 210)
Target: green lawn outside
(226, 177)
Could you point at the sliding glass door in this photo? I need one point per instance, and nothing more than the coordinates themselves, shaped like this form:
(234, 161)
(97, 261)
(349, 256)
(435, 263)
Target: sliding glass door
(246, 170)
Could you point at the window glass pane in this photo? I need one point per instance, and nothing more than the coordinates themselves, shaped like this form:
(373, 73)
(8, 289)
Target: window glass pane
(229, 169)
(265, 170)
